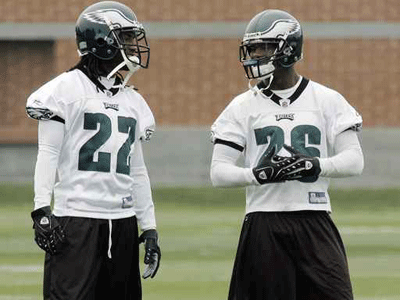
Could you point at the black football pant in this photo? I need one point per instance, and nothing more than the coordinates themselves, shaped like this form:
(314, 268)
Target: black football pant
(290, 256)
(94, 264)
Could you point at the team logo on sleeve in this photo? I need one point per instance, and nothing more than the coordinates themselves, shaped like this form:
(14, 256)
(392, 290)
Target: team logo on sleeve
(212, 136)
(356, 127)
(148, 133)
(39, 113)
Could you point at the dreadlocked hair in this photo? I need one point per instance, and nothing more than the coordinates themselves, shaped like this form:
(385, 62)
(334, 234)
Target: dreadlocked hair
(89, 64)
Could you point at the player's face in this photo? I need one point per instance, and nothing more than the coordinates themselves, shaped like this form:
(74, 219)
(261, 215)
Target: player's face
(262, 49)
(128, 40)
(132, 42)
(106, 66)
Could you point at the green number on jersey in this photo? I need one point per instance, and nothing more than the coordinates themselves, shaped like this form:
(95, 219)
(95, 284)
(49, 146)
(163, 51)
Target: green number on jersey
(272, 135)
(125, 125)
(301, 136)
(298, 138)
(86, 153)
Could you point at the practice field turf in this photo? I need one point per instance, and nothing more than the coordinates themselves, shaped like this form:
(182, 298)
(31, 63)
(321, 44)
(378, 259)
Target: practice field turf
(199, 229)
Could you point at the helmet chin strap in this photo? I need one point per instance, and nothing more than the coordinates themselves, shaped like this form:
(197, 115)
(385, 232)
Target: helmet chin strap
(270, 78)
(133, 67)
(269, 68)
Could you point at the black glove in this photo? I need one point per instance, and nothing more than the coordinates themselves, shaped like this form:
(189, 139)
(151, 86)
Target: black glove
(304, 167)
(152, 256)
(270, 166)
(48, 233)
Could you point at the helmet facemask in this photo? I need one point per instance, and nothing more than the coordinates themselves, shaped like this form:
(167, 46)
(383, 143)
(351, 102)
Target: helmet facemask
(259, 57)
(134, 49)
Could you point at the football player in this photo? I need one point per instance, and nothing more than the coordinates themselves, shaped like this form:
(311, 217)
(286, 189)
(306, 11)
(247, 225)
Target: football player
(90, 160)
(294, 134)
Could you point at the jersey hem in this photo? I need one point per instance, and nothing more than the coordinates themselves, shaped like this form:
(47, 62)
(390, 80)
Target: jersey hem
(322, 208)
(92, 215)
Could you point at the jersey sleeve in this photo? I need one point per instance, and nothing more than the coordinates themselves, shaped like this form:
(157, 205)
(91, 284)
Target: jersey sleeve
(342, 116)
(44, 104)
(228, 127)
(50, 141)
(146, 122)
(142, 190)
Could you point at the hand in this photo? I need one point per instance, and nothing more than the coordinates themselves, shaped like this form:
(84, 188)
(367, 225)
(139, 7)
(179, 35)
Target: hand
(304, 166)
(49, 235)
(152, 256)
(270, 166)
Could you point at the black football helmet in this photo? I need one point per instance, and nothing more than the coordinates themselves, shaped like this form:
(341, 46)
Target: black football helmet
(107, 29)
(278, 36)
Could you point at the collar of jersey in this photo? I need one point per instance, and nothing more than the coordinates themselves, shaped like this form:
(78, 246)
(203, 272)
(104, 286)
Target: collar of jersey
(100, 86)
(274, 97)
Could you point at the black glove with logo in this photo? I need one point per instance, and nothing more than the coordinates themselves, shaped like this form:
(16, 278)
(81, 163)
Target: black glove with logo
(152, 256)
(303, 167)
(270, 167)
(49, 235)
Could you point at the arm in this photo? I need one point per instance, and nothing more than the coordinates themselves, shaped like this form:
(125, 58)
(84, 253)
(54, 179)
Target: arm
(48, 233)
(224, 172)
(141, 190)
(348, 159)
(50, 140)
(145, 212)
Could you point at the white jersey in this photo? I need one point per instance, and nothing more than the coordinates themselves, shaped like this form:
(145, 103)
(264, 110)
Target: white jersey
(101, 132)
(309, 121)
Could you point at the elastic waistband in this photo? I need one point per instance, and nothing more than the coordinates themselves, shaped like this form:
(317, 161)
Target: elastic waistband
(297, 213)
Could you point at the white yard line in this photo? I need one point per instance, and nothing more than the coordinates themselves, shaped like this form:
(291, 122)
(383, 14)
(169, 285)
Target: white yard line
(18, 297)
(369, 298)
(21, 269)
(32, 297)
(368, 230)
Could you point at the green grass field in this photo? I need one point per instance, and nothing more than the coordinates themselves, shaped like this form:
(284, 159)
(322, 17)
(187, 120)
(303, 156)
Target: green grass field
(199, 229)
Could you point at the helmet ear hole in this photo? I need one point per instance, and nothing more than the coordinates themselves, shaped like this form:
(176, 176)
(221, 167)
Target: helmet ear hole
(100, 42)
(288, 51)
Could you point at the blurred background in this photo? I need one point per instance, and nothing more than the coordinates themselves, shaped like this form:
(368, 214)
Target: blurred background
(350, 46)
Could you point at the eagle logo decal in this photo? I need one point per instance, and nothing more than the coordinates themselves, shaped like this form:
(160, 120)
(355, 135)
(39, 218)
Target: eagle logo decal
(104, 16)
(287, 26)
(278, 29)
